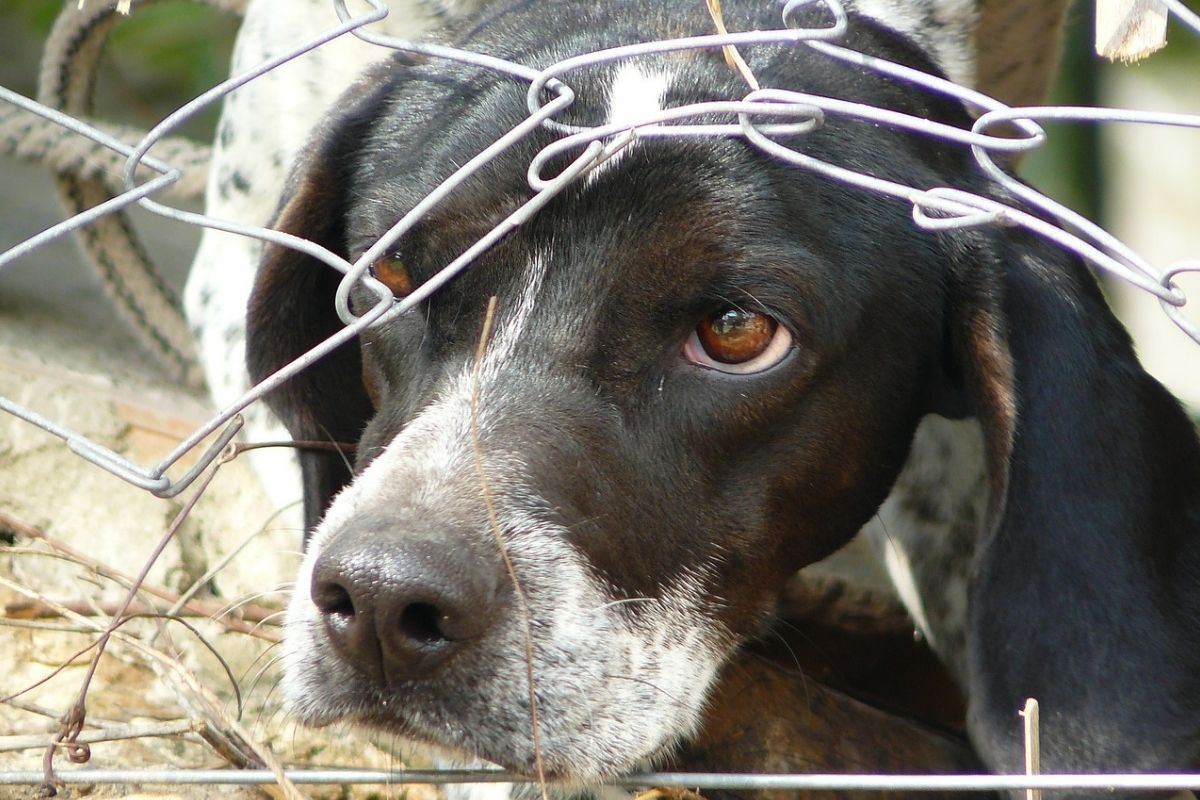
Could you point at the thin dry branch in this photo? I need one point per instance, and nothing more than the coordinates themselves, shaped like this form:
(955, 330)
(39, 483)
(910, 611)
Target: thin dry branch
(22, 528)
(237, 618)
(494, 522)
(249, 618)
(76, 716)
(109, 733)
(223, 733)
(68, 737)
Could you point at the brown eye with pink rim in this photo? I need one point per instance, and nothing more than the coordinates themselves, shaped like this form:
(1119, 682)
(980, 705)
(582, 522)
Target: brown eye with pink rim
(392, 272)
(738, 342)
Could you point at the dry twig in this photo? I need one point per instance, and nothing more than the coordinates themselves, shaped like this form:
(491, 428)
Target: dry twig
(253, 614)
(108, 733)
(493, 520)
(732, 57)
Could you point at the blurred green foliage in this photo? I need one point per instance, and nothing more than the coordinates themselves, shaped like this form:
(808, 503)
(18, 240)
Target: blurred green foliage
(163, 55)
(35, 14)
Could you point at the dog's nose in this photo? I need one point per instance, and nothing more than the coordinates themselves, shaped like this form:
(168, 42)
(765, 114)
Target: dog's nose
(400, 607)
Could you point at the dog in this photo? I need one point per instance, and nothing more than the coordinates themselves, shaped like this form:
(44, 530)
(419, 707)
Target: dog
(706, 370)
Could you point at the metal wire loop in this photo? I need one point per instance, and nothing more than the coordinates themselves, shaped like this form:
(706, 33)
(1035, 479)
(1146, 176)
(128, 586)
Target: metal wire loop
(772, 120)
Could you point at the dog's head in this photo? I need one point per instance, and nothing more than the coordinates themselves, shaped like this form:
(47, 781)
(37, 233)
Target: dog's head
(704, 371)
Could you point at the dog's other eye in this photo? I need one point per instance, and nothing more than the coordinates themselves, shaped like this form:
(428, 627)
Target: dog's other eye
(392, 272)
(739, 342)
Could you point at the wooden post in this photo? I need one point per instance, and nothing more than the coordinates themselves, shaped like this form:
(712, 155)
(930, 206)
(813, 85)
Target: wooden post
(1128, 30)
(1033, 755)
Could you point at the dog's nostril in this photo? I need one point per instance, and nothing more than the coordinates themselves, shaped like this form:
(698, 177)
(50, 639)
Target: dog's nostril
(398, 607)
(332, 598)
(421, 622)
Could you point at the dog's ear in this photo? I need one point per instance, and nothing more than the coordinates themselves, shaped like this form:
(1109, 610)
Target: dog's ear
(292, 308)
(1083, 593)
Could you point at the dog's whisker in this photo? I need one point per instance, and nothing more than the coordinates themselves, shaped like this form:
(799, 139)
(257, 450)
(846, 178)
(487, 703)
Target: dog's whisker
(271, 619)
(266, 702)
(269, 525)
(650, 684)
(262, 672)
(240, 602)
(277, 719)
(787, 646)
(271, 660)
(796, 662)
(808, 640)
(621, 602)
(331, 439)
(284, 587)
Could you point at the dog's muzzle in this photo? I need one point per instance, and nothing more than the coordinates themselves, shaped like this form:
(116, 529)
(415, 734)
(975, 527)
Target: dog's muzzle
(405, 614)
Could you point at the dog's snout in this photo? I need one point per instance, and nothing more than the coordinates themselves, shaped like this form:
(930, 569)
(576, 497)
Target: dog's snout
(398, 608)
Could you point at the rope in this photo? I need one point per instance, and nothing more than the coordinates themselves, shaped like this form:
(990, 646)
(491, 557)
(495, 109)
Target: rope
(87, 174)
(37, 140)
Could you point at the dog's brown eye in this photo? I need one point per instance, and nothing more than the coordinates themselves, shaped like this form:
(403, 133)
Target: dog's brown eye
(737, 341)
(392, 272)
(734, 336)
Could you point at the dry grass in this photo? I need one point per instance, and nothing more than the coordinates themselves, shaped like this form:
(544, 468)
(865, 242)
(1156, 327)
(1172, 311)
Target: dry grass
(117, 671)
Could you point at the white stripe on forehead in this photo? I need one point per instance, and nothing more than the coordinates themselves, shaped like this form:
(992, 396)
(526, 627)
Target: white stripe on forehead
(635, 95)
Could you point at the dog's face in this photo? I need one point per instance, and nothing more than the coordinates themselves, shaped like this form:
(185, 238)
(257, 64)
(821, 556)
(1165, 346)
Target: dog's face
(703, 371)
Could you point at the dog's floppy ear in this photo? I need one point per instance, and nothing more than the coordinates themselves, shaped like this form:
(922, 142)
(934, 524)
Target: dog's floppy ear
(1085, 576)
(292, 309)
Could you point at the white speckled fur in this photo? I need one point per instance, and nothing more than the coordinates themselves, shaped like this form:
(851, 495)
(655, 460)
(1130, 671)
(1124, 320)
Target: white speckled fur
(926, 530)
(267, 121)
(263, 125)
(945, 29)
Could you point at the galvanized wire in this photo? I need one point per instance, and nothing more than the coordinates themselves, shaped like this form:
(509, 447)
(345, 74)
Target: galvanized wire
(681, 780)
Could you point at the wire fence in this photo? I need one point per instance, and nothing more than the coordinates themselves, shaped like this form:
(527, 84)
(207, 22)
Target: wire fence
(759, 118)
(666, 780)
(933, 209)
